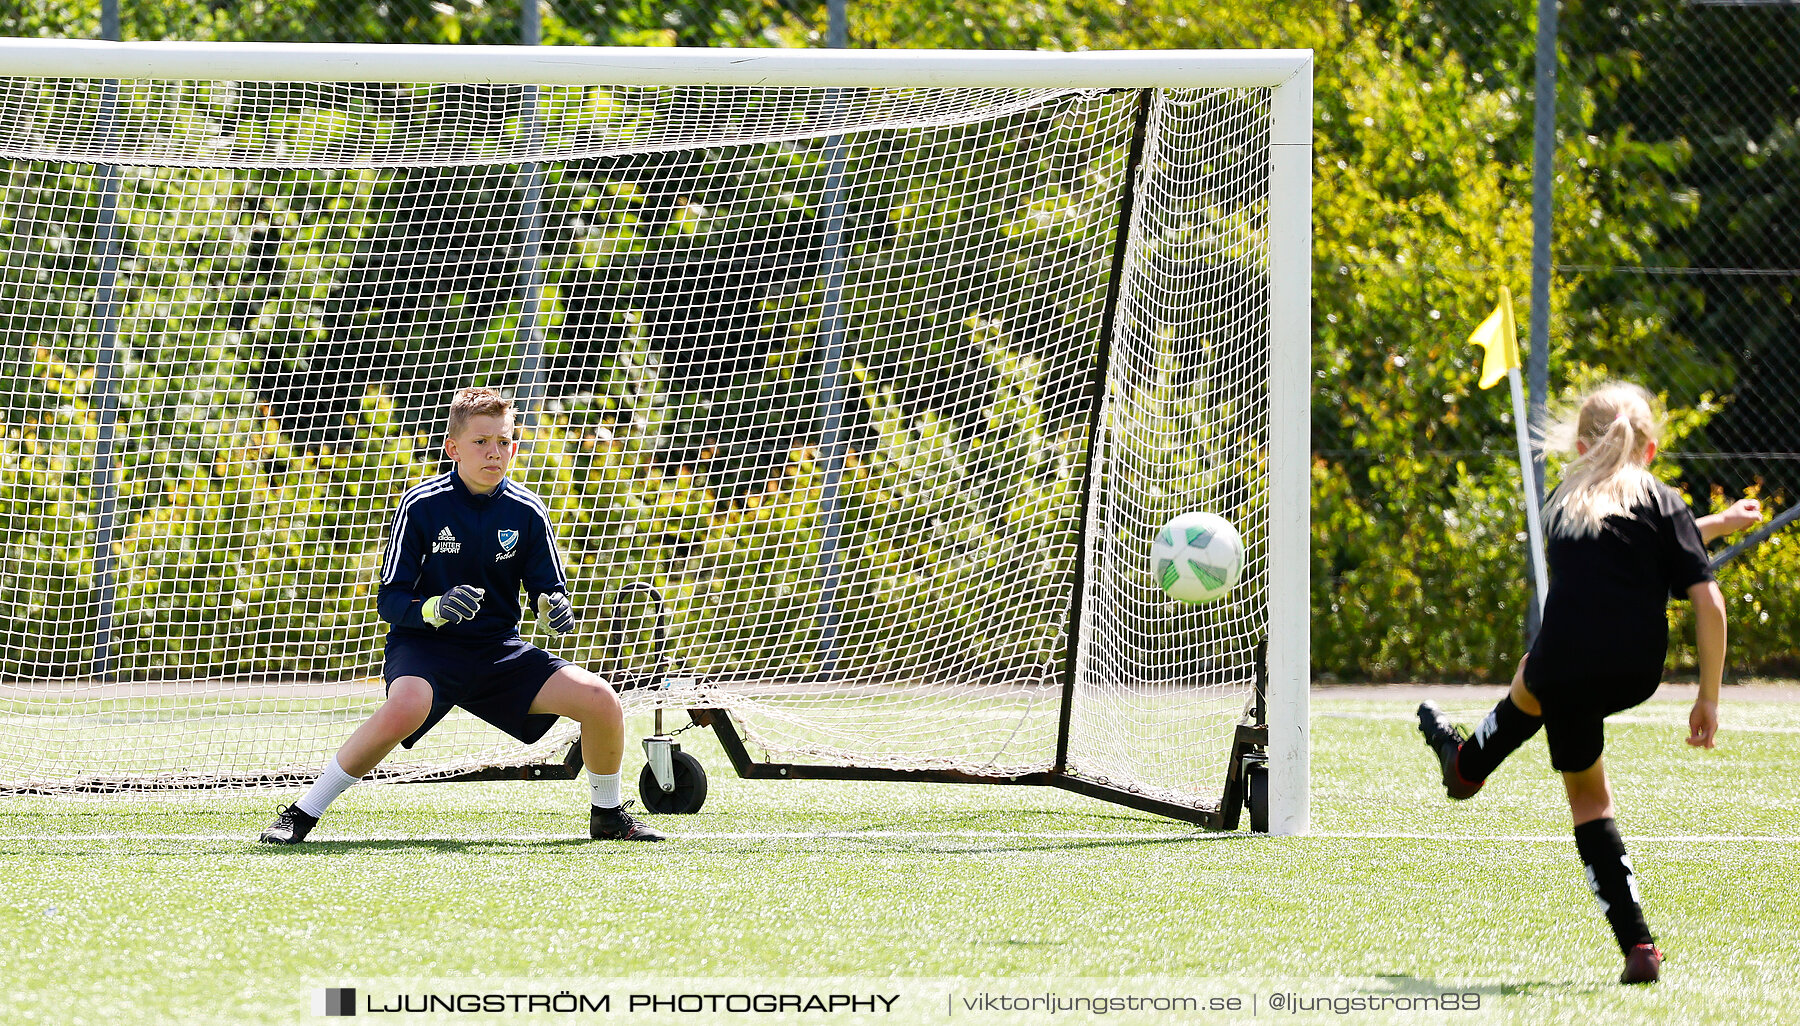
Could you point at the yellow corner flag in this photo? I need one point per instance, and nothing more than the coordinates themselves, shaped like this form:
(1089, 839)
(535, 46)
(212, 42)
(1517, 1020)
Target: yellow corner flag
(1500, 337)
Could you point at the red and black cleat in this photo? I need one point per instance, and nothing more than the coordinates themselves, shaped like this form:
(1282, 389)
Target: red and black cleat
(1445, 738)
(1643, 964)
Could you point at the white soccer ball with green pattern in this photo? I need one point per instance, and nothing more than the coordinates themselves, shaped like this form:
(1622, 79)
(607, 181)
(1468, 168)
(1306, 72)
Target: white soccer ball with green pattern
(1197, 557)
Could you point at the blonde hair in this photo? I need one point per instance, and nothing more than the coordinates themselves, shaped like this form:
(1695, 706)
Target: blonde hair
(1616, 425)
(476, 402)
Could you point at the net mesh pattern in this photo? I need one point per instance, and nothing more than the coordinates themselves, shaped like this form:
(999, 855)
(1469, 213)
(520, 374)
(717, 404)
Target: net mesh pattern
(815, 363)
(354, 124)
(1186, 427)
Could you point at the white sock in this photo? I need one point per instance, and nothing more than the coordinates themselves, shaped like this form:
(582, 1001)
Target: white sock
(605, 788)
(332, 782)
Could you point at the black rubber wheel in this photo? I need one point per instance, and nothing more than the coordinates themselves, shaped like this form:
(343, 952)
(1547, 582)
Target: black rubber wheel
(690, 787)
(1256, 796)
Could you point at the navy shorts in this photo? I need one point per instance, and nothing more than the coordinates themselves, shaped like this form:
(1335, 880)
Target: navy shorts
(1575, 712)
(495, 680)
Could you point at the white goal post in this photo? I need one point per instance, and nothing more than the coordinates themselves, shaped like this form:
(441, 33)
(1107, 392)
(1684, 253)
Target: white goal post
(882, 366)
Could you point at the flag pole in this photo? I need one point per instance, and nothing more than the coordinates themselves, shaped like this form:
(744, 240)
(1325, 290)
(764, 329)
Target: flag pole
(1534, 527)
(1498, 336)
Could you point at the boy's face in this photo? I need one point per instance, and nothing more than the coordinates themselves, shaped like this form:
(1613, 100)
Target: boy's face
(482, 451)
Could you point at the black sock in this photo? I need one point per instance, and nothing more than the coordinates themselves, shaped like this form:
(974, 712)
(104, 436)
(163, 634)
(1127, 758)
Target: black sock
(1506, 728)
(1609, 874)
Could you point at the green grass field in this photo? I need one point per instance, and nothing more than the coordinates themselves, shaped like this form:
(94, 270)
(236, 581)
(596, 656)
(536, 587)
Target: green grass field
(938, 896)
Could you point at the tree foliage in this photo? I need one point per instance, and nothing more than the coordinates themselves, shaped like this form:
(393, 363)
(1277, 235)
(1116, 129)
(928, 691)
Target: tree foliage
(1421, 211)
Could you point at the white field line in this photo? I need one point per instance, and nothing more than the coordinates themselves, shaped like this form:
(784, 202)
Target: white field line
(955, 835)
(1353, 835)
(811, 835)
(1671, 720)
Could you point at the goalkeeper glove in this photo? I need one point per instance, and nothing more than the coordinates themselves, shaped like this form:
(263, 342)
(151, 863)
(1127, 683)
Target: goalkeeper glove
(554, 609)
(454, 606)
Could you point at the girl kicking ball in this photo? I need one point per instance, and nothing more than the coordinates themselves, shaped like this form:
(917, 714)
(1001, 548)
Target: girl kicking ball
(1620, 544)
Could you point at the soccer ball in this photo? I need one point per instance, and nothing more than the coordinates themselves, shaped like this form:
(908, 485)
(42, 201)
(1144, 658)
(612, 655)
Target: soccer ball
(1197, 557)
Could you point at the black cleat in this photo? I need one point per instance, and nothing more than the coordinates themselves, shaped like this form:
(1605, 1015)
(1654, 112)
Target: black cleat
(290, 827)
(1643, 964)
(1445, 738)
(618, 825)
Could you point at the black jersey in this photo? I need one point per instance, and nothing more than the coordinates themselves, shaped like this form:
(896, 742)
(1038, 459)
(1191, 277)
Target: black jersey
(1607, 612)
(444, 535)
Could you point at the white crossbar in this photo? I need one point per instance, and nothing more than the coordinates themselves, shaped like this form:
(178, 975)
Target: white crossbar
(578, 65)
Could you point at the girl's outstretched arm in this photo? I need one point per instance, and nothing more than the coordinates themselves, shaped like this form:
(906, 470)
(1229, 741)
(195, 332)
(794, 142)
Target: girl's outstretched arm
(1709, 637)
(1734, 518)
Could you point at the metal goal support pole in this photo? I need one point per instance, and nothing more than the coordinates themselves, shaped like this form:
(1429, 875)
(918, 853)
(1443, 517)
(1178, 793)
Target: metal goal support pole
(106, 376)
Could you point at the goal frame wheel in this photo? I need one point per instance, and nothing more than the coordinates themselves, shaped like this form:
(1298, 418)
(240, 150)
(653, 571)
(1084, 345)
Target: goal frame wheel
(1256, 793)
(688, 780)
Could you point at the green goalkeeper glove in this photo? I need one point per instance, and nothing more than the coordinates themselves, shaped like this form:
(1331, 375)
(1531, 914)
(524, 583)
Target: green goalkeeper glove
(554, 610)
(454, 606)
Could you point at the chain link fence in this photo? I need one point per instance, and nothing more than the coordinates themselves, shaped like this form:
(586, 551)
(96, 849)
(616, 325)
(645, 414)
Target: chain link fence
(1721, 86)
(1677, 251)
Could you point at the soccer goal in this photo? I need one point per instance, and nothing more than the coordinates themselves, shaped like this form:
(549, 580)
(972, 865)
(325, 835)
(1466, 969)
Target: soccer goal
(880, 369)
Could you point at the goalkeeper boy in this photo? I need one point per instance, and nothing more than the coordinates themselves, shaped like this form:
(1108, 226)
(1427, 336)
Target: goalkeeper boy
(459, 549)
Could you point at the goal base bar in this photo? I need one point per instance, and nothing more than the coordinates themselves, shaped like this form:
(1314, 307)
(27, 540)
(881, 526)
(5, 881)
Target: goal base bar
(1247, 748)
(148, 786)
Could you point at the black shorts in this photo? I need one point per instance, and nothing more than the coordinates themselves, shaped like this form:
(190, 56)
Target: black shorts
(495, 680)
(1575, 711)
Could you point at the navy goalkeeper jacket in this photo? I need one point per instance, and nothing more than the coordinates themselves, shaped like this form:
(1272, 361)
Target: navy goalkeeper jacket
(444, 535)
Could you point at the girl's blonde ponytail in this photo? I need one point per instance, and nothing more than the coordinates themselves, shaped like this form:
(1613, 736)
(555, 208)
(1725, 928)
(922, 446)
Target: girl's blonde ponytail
(1616, 424)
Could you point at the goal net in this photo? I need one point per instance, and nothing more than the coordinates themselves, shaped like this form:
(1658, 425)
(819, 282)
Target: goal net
(885, 387)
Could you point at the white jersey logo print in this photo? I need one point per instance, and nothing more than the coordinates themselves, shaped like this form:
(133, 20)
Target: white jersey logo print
(446, 542)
